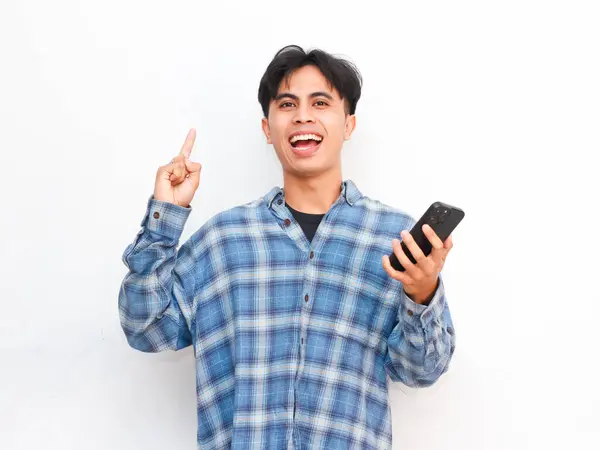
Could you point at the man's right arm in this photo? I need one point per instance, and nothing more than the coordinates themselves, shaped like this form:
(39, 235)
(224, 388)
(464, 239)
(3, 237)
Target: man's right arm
(156, 295)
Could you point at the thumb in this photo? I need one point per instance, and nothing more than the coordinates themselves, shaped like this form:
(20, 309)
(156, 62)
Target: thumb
(194, 169)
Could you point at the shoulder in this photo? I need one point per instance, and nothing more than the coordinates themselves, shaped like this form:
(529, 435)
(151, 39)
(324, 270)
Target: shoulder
(232, 220)
(225, 230)
(389, 219)
(237, 214)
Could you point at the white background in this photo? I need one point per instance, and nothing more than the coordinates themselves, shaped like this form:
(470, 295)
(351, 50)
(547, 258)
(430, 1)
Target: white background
(491, 106)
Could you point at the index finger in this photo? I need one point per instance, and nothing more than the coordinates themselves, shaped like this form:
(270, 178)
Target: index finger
(432, 237)
(186, 149)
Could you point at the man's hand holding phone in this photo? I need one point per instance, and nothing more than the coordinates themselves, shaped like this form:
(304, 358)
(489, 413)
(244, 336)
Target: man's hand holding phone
(420, 279)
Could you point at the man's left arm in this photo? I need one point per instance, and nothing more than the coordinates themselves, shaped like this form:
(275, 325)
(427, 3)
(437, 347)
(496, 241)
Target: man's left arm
(422, 343)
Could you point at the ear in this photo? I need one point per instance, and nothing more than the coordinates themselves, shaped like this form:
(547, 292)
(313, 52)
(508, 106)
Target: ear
(350, 125)
(266, 129)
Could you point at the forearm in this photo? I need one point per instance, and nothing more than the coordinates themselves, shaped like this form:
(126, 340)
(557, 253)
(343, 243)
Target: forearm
(151, 314)
(422, 343)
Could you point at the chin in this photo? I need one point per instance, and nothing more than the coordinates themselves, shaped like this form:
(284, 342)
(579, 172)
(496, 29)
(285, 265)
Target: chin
(310, 167)
(309, 163)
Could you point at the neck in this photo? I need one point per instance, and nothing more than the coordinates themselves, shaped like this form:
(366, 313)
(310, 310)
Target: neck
(312, 195)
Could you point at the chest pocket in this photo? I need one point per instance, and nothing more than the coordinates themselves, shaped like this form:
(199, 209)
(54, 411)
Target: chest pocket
(367, 304)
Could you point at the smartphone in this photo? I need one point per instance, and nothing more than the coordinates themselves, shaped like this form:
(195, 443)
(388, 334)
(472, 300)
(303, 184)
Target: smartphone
(442, 218)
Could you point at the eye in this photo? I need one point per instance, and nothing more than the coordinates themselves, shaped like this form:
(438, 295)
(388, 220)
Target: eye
(320, 103)
(286, 105)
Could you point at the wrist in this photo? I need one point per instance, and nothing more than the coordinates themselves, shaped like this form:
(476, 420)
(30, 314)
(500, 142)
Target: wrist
(424, 296)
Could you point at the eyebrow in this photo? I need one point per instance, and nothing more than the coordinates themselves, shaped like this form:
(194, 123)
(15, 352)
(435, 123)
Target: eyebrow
(295, 97)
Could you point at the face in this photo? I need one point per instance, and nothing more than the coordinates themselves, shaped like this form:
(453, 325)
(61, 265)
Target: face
(308, 124)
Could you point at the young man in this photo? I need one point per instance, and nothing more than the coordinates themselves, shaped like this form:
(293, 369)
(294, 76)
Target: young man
(290, 302)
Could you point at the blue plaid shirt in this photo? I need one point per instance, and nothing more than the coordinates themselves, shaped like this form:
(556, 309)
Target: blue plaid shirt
(292, 339)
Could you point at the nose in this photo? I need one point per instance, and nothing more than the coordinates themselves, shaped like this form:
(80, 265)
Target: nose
(303, 115)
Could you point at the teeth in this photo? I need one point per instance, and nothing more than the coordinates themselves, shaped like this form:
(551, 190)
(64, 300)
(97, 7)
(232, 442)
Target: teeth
(305, 137)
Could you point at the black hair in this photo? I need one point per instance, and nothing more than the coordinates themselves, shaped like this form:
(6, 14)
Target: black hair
(341, 74)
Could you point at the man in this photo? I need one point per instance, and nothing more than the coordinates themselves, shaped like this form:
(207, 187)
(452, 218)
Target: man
(294, 311)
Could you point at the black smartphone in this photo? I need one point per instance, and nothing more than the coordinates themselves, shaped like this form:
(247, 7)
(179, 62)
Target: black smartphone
(442, 218)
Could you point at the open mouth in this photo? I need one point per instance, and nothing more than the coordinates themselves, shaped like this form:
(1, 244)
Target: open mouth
(305, 142)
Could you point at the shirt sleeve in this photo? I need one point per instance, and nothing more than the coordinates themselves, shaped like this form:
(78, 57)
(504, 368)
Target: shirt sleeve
(422, 342)
(156, 294)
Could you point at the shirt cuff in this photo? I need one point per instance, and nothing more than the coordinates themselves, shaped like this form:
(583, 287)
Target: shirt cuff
(417, 314)
(164, 218)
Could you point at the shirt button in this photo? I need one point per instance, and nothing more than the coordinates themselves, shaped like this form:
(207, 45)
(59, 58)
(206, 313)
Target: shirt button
(287, 222)
(409, 312)
(279, 202)
(306, 298)
(156, 215)
(450, 330)
(312, 255)
(302, 341)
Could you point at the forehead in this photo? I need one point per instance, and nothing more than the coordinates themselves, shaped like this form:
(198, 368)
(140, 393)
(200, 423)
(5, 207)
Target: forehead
(306, 80)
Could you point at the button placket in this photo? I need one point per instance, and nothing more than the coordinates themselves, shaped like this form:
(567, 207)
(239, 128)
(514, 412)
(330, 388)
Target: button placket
(305, 308)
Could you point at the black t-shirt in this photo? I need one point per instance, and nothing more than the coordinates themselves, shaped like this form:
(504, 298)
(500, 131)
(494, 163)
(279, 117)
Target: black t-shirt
(308, 222)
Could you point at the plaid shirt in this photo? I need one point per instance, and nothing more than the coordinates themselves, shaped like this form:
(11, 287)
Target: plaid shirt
(293, 340)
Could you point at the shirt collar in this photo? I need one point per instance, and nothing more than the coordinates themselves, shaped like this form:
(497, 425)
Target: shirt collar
(348, 190)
